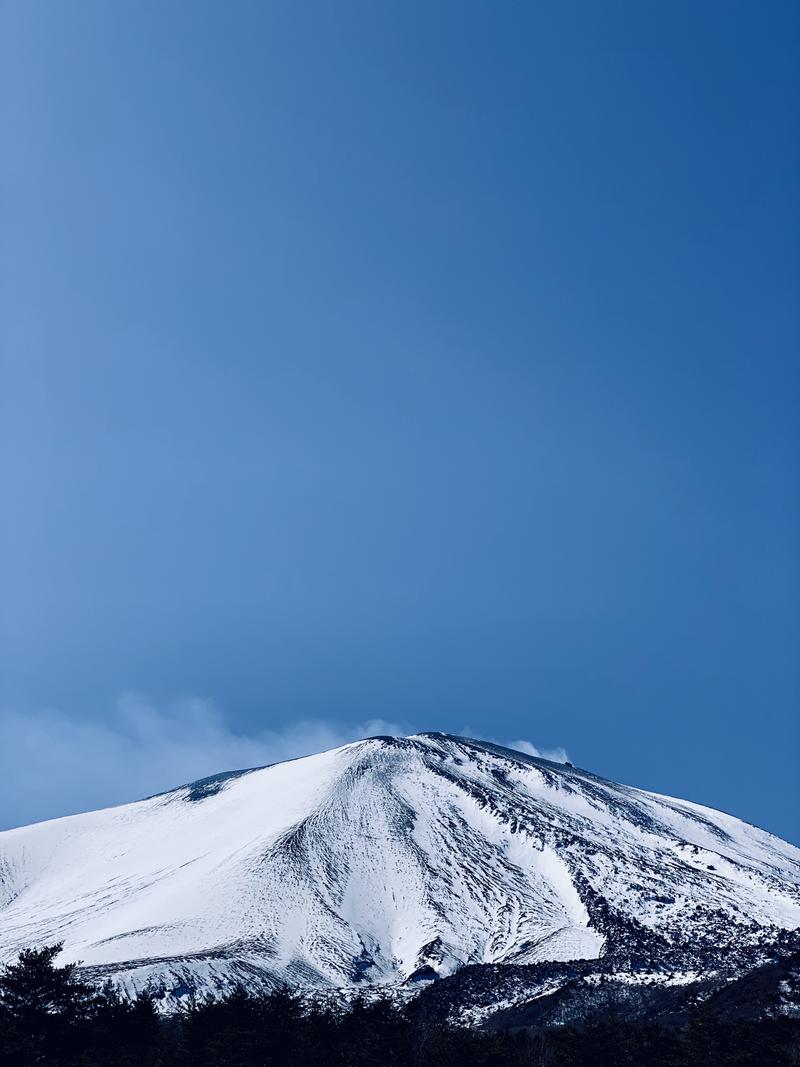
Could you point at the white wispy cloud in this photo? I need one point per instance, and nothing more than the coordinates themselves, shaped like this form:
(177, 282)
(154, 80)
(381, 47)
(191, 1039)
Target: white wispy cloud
(557, 755)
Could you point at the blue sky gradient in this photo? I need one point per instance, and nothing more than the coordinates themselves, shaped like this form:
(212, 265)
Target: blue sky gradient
(435, 363)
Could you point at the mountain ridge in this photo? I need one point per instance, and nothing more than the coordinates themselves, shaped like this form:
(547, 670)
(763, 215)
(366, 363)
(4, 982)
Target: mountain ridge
(391, 861)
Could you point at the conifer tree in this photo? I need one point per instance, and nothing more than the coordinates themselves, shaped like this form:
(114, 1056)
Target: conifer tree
(42, 1007)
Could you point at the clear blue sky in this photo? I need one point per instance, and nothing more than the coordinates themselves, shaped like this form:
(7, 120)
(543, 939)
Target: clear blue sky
(430, 361)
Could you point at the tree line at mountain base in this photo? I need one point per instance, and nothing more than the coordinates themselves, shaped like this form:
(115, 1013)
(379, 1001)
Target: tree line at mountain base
(49, 1017)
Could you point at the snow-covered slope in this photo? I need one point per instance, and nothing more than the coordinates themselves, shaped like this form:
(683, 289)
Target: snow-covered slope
(389, 860)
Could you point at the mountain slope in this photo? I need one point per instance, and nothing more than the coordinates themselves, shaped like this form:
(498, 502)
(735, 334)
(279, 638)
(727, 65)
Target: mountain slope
(393, 860)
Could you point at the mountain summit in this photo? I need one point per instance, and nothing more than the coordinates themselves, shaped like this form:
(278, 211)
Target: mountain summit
(393, 860)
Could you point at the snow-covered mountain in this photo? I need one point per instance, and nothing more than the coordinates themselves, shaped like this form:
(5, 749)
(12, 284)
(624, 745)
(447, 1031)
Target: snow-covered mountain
(390, 861)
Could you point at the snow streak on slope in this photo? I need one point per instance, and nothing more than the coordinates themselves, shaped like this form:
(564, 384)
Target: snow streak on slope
(388, 860)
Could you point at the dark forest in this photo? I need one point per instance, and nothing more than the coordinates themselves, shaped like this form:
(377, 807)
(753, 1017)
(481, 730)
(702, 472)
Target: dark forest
(49, 1016)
